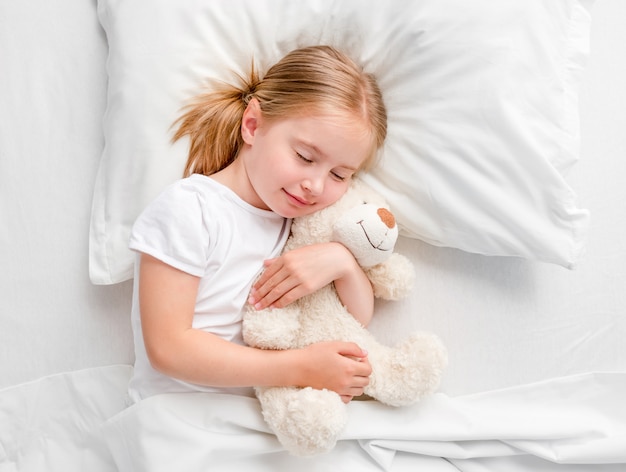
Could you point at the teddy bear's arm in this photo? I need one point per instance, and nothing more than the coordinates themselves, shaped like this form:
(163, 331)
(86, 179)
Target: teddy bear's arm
(392, 279)
(271, 328)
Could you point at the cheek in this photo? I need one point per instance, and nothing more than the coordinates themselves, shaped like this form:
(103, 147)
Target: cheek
(334, 191)
(272, 164)
(277, 159)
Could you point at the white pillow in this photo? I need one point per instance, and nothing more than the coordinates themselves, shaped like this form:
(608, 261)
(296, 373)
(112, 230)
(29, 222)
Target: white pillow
(481, 97)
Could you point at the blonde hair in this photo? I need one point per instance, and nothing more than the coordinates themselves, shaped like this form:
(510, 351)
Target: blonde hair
(317, 79)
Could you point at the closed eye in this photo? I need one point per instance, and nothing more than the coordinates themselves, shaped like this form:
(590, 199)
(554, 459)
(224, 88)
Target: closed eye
(335, 175)
(308, 161)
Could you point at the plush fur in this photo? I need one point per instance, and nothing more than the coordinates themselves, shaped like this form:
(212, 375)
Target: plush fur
(309, 421)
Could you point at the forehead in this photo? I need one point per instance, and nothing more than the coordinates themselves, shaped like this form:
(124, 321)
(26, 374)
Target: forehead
(334, 136)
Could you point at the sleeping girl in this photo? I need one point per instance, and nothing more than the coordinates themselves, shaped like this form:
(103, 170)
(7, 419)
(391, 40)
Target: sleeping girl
(261, 153)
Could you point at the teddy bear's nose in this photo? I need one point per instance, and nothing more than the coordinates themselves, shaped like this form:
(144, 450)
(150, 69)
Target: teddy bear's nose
(386, 217)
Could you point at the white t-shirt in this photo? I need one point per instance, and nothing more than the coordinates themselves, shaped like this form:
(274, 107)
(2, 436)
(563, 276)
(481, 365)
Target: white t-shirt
(203, 228)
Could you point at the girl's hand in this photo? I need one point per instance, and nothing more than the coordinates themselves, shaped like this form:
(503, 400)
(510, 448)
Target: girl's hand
(299, 272)
(302, 271)
(338, 366)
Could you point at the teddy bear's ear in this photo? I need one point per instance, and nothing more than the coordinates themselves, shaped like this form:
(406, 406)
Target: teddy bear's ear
(367, 194)
(392, 279)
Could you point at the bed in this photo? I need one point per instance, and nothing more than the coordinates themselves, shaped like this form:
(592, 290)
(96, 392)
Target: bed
(519, 265)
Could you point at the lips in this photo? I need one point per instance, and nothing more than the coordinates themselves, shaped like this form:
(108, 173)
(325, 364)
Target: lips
(297, 200)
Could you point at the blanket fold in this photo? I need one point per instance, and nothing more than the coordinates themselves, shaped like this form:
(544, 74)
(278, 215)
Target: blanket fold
(559, 424)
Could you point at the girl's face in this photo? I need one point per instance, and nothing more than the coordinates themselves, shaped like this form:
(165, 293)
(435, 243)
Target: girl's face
(303, 164)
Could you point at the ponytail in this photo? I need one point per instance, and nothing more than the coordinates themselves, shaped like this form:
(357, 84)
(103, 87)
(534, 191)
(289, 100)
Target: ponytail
(213, 123)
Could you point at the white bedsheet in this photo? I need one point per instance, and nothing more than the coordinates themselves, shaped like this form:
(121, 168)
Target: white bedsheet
(53, 424)
(575, 423)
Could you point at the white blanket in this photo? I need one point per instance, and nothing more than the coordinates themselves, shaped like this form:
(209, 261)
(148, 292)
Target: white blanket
(59, 424)
(574, 423)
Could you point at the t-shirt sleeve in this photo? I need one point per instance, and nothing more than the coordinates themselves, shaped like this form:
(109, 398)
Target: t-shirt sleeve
(173, 229)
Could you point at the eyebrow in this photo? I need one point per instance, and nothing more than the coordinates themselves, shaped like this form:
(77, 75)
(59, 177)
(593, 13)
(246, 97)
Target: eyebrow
(312, 147)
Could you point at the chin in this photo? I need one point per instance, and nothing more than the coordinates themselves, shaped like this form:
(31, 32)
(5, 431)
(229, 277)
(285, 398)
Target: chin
(295, 212)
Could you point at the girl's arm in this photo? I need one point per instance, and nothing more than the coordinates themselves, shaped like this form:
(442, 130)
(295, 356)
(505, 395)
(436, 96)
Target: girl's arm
(167, 298)
(304, 270)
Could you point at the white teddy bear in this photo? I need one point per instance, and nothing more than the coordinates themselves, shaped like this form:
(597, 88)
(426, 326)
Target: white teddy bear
(308, 421)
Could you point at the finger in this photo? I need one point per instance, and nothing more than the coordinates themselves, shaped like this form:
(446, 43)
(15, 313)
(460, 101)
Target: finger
(352, 350)
(346, 398)
(361, 381)
(356, 391)
(362, 376)
(267, 274)
(265, 285)
(289, 297)
(362, 372)
(279, 296)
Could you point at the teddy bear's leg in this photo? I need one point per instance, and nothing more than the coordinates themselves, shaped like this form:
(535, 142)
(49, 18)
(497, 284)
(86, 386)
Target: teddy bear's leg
(306, 421)
(404, 374)
(271, 328)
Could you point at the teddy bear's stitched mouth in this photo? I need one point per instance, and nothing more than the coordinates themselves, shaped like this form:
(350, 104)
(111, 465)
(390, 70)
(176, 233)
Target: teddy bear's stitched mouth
(377, 247)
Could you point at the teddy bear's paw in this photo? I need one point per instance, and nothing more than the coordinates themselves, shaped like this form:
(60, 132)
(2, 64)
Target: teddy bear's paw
(392, 279)
(306, 421)
(410, 371)
(271, 328)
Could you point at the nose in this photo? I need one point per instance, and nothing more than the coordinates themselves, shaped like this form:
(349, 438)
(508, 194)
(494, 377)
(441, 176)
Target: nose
(314, 184)
(386, 217)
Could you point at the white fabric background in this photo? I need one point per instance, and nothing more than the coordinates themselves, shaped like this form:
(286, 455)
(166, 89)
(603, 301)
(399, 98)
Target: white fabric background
(505, 321)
